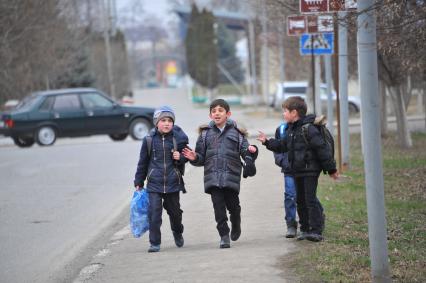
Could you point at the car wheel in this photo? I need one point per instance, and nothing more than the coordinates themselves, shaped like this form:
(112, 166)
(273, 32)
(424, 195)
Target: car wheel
(139, 128)
(46, 135)
(118, 137)
(353, 109)
(23, 142)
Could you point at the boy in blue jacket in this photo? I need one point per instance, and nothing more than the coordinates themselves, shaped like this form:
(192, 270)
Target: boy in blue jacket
(159, 165)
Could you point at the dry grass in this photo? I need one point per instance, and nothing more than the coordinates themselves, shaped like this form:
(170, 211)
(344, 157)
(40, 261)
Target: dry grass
(344, 255)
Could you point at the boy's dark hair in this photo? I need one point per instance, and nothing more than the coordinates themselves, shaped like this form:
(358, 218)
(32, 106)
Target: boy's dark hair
(221, 103)
(296, 103)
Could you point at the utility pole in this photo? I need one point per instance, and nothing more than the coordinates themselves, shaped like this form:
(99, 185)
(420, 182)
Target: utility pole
(343, 88)
(107, 25)
(371, 141)
(317, 77)
(330, 110)
(252, 39)
(265, 53)
(281, 52)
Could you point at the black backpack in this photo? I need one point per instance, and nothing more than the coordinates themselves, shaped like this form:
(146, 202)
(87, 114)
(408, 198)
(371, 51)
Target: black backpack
(320, 123)
(179, 166)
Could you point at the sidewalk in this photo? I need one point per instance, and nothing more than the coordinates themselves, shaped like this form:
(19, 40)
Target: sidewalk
(258, 256)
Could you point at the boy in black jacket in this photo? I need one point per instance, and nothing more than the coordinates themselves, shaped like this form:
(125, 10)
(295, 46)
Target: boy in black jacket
(158, 165)
(306, 160)
(219, 147)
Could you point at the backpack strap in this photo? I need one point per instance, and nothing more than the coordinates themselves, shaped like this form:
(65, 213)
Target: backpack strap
(148, 139)
(175, 148)
(305, 133)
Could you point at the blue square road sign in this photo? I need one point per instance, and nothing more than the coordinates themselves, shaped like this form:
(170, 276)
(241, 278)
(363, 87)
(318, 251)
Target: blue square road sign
(316, 44)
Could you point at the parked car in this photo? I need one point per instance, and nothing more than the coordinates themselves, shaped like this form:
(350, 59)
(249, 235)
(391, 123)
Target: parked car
(287, 89)
(46, 115)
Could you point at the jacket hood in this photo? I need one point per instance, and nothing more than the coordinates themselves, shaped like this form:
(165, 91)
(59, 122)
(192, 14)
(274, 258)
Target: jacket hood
(310, 118)
(177, 131)
(229, 122)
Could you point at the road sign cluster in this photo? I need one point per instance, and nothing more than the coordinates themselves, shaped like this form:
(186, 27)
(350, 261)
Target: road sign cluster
(315, 26)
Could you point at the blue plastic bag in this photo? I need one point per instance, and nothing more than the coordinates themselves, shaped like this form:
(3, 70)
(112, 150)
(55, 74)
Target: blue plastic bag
(139, 205)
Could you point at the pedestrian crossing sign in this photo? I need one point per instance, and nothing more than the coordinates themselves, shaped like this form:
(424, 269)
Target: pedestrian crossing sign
(316, 44)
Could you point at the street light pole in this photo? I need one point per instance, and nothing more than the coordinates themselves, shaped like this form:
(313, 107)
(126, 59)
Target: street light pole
(371, 141)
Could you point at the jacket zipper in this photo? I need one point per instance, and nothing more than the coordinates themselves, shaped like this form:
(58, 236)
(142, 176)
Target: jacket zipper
(165, 167)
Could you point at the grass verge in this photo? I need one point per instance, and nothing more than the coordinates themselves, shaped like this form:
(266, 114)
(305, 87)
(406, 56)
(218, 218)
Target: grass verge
(344, 255)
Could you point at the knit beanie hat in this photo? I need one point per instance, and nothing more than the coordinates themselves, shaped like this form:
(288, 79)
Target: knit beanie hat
(163, 111)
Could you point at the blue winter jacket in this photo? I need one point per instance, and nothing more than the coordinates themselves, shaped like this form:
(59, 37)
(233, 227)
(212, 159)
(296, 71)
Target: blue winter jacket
(158, 169)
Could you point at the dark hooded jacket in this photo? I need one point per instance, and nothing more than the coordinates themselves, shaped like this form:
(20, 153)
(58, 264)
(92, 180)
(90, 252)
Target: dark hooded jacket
(305, 159)
(158, 168)
(219, 153)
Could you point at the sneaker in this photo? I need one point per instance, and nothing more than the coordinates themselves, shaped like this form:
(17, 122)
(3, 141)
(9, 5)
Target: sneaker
(154, 248)
(314, 237)
(224, 242)
(235, 232)
(291, 232)
(178, 239)
(302, 236)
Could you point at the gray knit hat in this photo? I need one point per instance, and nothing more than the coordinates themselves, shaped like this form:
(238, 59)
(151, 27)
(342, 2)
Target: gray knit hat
(163, 111)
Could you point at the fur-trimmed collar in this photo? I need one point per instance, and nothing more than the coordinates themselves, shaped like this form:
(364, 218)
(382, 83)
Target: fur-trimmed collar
(229, 123)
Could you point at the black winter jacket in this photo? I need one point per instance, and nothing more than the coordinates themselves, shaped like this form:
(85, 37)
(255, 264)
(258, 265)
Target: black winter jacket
(219, 153)
(304, 159)
(159, 169)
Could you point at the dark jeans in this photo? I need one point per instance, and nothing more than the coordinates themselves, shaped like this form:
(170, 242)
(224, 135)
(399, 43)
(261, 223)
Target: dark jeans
(224, 199)
(172, 206)
(309, 207)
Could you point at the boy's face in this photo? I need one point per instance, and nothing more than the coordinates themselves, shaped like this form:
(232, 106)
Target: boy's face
(290, 116)
(219, 116)
(165, 125)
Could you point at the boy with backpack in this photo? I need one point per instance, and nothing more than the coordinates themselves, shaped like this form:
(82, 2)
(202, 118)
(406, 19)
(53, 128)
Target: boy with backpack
(309, 153)
(281, 160)
(219, 148)
(161, 166)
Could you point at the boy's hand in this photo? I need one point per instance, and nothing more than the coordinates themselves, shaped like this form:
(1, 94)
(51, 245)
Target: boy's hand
(252, 149)
(189, 153)
(335, 175)
(176, 155)
(261, 137)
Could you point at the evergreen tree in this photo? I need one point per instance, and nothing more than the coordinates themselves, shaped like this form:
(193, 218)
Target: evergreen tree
(201, 48)
(227, 55)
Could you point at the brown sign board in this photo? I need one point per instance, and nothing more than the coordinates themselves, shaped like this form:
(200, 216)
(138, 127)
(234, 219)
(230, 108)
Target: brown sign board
(296, 24)
(341, 5)
(326, 6)
(313, 6)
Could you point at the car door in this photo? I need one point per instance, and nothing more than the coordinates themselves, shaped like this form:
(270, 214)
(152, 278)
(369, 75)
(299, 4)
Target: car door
(68, 115)
(103, 115)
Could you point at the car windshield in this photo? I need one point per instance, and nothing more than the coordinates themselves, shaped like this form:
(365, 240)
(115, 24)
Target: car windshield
(27, 102)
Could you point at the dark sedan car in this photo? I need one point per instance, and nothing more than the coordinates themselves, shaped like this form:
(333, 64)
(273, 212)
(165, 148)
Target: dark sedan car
(43, 116)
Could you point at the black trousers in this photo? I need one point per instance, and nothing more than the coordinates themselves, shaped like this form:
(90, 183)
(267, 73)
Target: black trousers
(225, 199)
(309, 207)
(171, 204)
